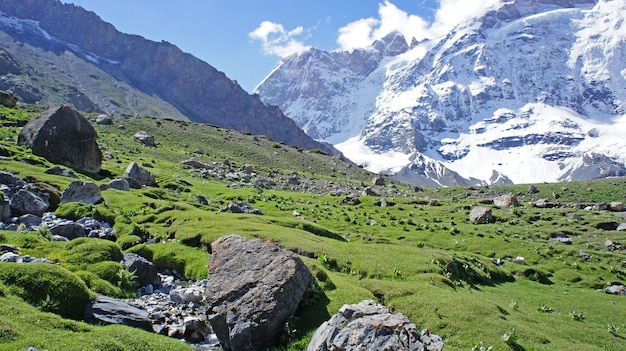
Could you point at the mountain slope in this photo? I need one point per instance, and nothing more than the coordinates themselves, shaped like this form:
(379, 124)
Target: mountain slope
(532, 91)
(101, 69)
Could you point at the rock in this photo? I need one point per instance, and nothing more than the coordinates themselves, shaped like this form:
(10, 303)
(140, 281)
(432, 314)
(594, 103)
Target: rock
(543, 203)
(69, 230)
(30, 220)
(119, 184)
(184, 295)
(379, 181)
(9, 257)
(9, 248)
(81, 191)
(104, 120)
(247, 169)
(616, 206)
(108, 310)
(145, 138)
(621, 227)
(138, 177)
(145, 271)
(253, 288)
(62, 135)
(195, 329)
(369, 191)
(519, 260)
(201, 200)
(532, 190)
(240, 207)
(480, 215)
(25, 202)
(46, 192)
(56, 170)
(562, 238)
(508, 200)
(352, 199)
(614, 288)
(8, 99)
(370, 326)
(13, 182)
(195, 163)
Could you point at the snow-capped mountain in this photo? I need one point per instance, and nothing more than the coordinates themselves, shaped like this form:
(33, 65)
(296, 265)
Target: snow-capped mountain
(532, 91)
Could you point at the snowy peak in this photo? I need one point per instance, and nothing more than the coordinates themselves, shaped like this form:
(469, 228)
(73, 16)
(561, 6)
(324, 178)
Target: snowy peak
(532, 91)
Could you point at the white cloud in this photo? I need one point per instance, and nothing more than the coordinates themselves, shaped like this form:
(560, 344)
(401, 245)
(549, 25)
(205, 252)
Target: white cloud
(278, 41)
(363, 32)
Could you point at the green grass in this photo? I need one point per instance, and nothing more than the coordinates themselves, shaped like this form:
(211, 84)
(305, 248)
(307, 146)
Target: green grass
(428, 262)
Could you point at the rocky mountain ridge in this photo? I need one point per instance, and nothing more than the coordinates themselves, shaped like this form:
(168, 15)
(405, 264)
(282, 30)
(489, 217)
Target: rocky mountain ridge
(60, 53)
(532, 91)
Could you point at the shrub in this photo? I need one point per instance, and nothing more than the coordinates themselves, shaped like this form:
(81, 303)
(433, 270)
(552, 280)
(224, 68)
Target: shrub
(50, 287)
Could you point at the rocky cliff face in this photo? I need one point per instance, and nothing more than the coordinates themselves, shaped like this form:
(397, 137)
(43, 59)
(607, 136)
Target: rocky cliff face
(532, 91)
(154, 72)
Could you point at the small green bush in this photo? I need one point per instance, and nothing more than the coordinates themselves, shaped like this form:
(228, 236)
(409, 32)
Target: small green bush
(50, 287)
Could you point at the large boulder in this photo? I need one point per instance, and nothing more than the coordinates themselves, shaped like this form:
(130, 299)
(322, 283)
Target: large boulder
(371, 326)
(253, 288)
(480, 215)
(145, 138)
(145, 271)
(81, 191)
(507, 200)
(138, 177)
(25, 202)
(62, 135)
(107, 310)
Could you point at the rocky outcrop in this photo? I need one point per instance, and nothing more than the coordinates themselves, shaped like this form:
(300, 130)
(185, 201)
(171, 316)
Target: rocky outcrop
(253, 288)
(62, 135)
(371, 326)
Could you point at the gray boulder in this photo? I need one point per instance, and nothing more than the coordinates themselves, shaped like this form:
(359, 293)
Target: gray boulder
(26, 202)
(370, 326)
(104, 120)
(62, 135)
(81, 191)
(145, 271)
(107, 310)
(56, 170)
(480, 215)
(138, 177)
(119, 184)
(8, 99)
(508, 200)
(69, 230)
(241, 208)
(145, 138)
(253, 288)
(616, 206)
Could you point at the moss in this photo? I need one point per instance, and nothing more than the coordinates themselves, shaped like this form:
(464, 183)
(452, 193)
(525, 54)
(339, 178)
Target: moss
(77, 210)
(99, 285)
(86, 251)
(190, 261)
(50, 287)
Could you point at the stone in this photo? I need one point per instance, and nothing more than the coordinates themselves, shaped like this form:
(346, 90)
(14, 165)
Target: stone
(613, 288)
(145, 271)
(254, 286)
(543, 203)
(241, 208)
(7, 99)
(145, 138)
(81, 191)
(201, 200)
(9, 257)
(30, 220)
(119, 184)
(352, 199)
(69, 230)
(107, 310)
(369, 191)
(62, 135)
(371, 326)
(104, 120)
(379, 181)
(195, 163)
(195, 330)
(138, 177)
(616, 206)
(508, 200)
(480, 215)
(26, 202)
(247, 169)
(532, 190)
(46, 192)
(56, 170)
(621, 227)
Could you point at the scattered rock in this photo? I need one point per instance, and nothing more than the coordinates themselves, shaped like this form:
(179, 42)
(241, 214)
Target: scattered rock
(60, 171)
(616, 289)
(62, 135)
(145, 138)
(370, 326)
(107, 310)
(240, 207)
(201, 200)
(519, 260)
(508, 200)
(543, 203)
(369, 191)
(352, 199)
(532, 190)
(621, 227)
(119, 184)
(81, 191)
(195, 163)
(480, 215)
(562, 238)
(253, 287)
(607, 225)
(68, 229)
(616, 206)
(379, 181)
(138, 177)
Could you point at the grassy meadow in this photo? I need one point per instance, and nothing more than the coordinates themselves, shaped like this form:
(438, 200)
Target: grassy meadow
(419, 255)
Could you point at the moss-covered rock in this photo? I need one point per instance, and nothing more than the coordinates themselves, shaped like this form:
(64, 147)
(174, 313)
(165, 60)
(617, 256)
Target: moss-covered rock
(87, 251)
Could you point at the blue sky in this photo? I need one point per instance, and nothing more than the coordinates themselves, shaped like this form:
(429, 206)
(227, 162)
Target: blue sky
(246, 38)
